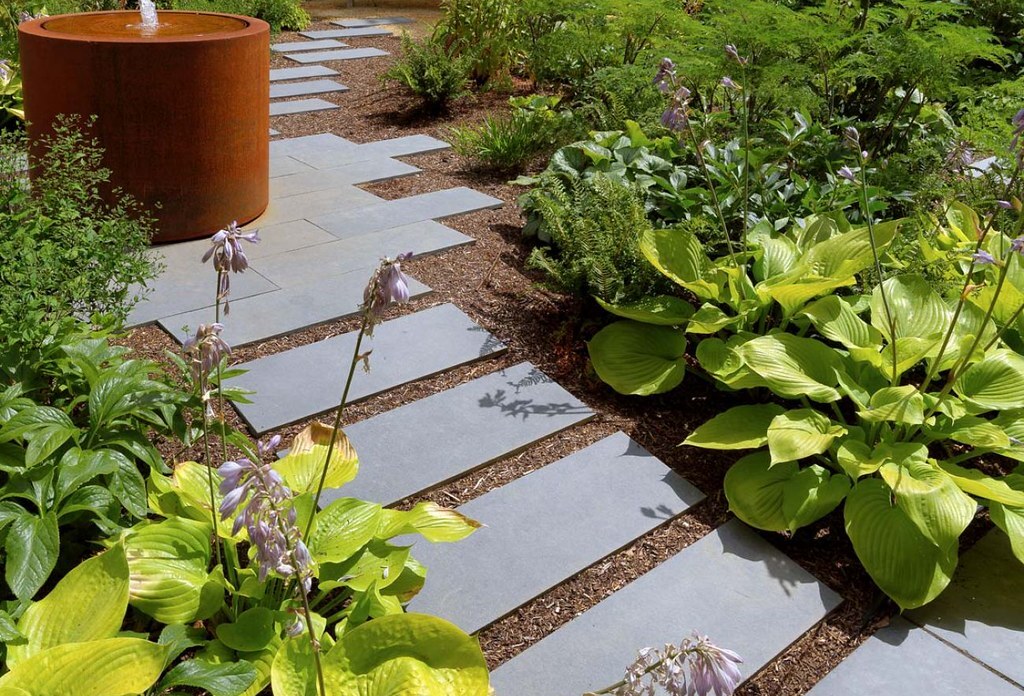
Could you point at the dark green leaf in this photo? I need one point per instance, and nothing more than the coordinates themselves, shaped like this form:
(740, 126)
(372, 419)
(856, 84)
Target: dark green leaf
(32, 545)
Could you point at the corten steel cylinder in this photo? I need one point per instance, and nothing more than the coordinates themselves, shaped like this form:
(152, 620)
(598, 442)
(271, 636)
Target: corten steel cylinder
(183, 113)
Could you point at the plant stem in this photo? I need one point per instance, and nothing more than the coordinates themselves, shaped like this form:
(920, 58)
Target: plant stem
(714, 195)
(890, 319)
(313, 643)
(336, 427)
(209, 475)
(746, 161)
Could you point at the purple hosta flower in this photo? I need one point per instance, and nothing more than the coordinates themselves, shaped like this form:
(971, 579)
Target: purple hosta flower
(206, 349)
(847, 174)
(1007, 205)
(713, 668)
(695, 667)
(228, 256)
(728, 83)
(676, 116)
(1018, 130)
(983, 258)
(268, 516)
(5, 70)
(388, 285)
(852, 137)
(731, 52)
(1017, 245)
(960, 155)
(665, 78)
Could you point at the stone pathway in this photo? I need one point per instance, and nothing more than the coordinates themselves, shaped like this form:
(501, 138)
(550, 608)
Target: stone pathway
(322, 235)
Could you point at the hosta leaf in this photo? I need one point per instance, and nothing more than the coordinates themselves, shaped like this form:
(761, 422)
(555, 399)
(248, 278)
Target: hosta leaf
(342, 528)
(996, 383)
(917, 310)
(86, 605)
(800, 433)
(433, 522)
(302, 467)
(293, 672)
(901, 559)
(903, 405)
(835, 319)
(1012, 423)
(680, 257)
(740, 427)
(778, 256)
(858, 459)
(978, 484)
(32, 544)
(253, 630)
(811, 494)
(380, 563)
(710, 319)
(404, 654)
(636, 358)
(229, 679)
(94, 668)
(663, 310)
(971, 430)
(781, 497)
(793, 367)
(931, 500)
(1010, 518)
(168, 562)
(722, 360)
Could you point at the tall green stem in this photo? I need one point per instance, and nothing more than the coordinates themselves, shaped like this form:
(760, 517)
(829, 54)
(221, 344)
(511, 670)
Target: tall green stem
(209, 473)
(889, 317)
(746, 161)
(714, 196)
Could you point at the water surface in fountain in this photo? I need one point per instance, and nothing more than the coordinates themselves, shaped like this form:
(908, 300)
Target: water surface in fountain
(112, 25)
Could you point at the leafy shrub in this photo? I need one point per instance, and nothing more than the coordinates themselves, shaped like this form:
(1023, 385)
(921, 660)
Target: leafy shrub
(281, 15)
(64, 251)
(594, 228)
(613, 95)
(507, 142)
(429, 72)
(484, 33)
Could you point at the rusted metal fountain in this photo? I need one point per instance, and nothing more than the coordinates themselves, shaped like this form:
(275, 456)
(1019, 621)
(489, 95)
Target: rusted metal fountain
(181, 102)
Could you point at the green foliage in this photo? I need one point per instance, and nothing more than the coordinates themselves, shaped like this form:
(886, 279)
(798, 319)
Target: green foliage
(482, 33)
(281, 15)
(613, 95)
(430, 72)
(65, 252)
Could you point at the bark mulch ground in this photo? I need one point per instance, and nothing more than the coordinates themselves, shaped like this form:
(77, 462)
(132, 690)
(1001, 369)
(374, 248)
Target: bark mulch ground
(488, 280)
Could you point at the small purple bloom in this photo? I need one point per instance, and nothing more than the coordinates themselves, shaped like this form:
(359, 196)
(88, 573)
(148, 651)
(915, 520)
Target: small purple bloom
(713, 668)
(983, 258)
(731, 52)
(1017, 246)
(847, 174)
(675, 119)
(228, 255)
(665, 78)
(852, 137)
(388, 285)
(1018, 130)
(728, 83)
(1005, 204)
(207, 349)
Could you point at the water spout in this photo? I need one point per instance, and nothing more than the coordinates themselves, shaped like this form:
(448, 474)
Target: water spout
(148, 10)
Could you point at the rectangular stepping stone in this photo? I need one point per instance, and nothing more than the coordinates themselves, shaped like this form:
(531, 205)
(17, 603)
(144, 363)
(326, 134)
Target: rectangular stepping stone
(345, 33)
(301, 89)
(901, 659)
(283, 166)
(515, 407)
(982, 610)
(306, 46)
(307, 380)
(731, 585)
(338, 54)
(308, 300)
(311, 180)
(327, 154)
(304, 143)
(322, 202)
(306, 71)
(287, 236)
(300, 106)
(623, 492)
(359, 253)
(425, 206)
(370, 21)
(274, 132)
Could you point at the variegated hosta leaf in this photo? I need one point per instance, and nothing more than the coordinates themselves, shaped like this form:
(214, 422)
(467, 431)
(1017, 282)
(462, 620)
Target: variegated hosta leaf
(303, 465)
(740, 427)
(995, 383)
(794, 367)
(430, 520)
(379, 563)
(800, 433)
(88, 604)
(635, 358)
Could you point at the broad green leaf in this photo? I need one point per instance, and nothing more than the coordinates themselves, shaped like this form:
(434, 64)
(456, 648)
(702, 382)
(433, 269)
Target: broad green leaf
(342, 528)
(910, 350)
(430, 520)
(722, 360)
(262, 661)
(680, 257)
(811, 494)
(800, 433)
(917, 310)
(793, 367)
(168, 562)
(1012, 423)
(978, 484)
(45, 440)
(87, 604)
(903, 405)
(636, 358)
(778, 256)
(127, 484)
(78, 467)
(252, 631)
(379, 563)
(781, 497)
(302, 468)
(229, 679)
(996, 383)
(32, 418)
(404, 654)
(970, 430)
(9, 632)
(179, 638)
(1010, 518)
(740, 427)
(108, 667)
(32, 544)
(663, 310)
(293, 672)
(898, 555)
(835, 320)
(858, 459)
(710, 319)
(931, 499)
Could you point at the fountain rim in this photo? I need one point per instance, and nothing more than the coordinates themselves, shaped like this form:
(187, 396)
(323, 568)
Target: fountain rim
(250, 26)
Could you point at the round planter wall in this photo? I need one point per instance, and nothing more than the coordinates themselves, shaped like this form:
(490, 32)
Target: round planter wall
(183, 114)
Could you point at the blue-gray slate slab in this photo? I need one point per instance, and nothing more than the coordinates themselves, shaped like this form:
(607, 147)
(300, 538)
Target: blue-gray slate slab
(301, 89)
(300, 106)
(337, 54)
(321, 45)
(547, 526)
(345, 33)
(904, 660)
(307, 380)
(319, 202)
(370, 21)
(982, 610)
(443, 436)
(308, 181)
(425, 206)
(327, 151)
(306, 71)
(731, 585)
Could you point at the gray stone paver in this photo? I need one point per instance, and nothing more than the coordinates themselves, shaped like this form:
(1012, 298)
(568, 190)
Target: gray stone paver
(287, 236)
(310, 180)
(982, 610)
(338, 54)
(370, 21)
(307, 380)
(321, 45)
(531, 526)
(283, 166)
(274, 132)
(908, 661)
(335, 152)
(302, 89)
(731, 585)
(315, 203)
(306, 71)
(345, 33)
(428, 442)
(300, 106)
(307, 300)
(426, 206)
